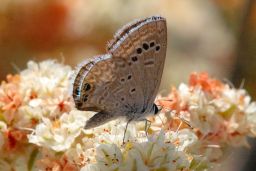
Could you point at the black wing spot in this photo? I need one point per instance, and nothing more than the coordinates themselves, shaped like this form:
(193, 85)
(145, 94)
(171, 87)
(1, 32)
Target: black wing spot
(129, 77)
(87, 86)
(145, 46)
(122, 98)
(157, 47)
(134, 58)
(152, 44)
(139, 50)
(133, 90)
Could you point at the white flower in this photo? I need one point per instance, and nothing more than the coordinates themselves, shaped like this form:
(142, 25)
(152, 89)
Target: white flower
(203, 114)
(108, 156)
(183, 139)
(156, 154)
(81, 154)
(113, 132)
(45, 85)
(60, 134)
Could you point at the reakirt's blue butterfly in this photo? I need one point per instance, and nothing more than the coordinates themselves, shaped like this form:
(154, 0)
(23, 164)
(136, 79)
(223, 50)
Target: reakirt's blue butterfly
(124, 82)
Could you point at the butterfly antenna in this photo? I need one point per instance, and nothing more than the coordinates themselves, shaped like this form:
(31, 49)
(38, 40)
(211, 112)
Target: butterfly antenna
(182, 119)
(185, 121)
(62, 57)
(179, 127)
(16, 68)
(242, 84)
(229, 83)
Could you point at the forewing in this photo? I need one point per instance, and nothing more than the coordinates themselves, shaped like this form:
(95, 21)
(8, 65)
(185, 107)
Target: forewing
(142, 44)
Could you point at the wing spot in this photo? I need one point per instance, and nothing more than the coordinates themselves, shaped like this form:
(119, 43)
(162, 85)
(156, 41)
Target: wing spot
(157, 47)
(152, 44)
(145, 46)
(77, 91)
(133, 90)
(122, 80)
(139, 51)
(129, 77)
(87, 86)
(134, 59)
(85, 98)
(122, 98)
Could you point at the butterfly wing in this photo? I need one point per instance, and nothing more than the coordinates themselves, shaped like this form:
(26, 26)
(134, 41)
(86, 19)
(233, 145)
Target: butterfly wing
(126, 79)
(106, 85)
(142, 44)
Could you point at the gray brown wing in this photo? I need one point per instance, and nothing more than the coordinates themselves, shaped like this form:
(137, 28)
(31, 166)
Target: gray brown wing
(105, 83)
(142, 44)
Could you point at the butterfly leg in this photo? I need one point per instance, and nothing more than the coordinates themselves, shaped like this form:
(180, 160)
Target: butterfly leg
(126, 129)
(147, 126)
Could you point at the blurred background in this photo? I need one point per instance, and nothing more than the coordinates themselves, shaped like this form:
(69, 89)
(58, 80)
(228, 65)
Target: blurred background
(217, 36)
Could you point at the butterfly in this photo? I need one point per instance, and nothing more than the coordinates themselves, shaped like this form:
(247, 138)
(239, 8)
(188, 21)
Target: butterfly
(123, 82)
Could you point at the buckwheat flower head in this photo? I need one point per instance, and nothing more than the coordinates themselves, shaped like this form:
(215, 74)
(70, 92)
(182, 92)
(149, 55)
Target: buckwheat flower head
(59, 134)
(197, 125)
(10, 98)
(220, 115)
(44, 88)
(155, 154)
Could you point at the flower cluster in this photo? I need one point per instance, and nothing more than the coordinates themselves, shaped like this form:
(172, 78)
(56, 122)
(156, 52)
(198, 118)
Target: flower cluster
(220, 115)
(41, 129)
